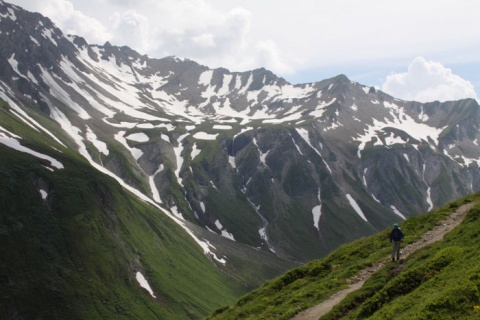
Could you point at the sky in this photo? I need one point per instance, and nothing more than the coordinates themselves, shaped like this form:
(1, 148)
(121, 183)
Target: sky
(414, 50)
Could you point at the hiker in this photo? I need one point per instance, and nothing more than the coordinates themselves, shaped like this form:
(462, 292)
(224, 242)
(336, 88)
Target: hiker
(396, 237)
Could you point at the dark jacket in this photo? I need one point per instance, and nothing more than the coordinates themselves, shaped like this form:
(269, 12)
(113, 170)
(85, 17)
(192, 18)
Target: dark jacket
(396, 235)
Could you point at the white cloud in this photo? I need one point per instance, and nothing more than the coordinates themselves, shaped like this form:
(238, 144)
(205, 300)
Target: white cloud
(133, 28)
(206, 40)
(427, 81)
(270, 57)
(70, 20)
(214, 38)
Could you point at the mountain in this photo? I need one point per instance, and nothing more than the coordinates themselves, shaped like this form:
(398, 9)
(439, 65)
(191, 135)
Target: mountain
(288, 168)
(436, 277)
(252, 172)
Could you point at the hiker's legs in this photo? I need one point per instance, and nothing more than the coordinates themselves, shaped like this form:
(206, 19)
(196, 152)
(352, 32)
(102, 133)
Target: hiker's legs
(395, 250)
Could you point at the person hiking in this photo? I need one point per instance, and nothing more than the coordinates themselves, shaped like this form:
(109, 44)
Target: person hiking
(396, 237)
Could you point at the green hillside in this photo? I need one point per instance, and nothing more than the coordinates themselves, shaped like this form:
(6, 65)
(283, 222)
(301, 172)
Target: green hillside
(440, 281)
(75, 255)
(72, 241)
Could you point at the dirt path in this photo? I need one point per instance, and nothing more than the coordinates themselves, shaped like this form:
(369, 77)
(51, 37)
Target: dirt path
(434, 235)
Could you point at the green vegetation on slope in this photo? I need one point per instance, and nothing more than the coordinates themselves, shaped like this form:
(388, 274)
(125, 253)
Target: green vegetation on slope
(438, 282)
(73, 251)
(75, 254)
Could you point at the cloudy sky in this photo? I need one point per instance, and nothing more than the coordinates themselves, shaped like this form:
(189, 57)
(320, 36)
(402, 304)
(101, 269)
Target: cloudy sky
(415, 50)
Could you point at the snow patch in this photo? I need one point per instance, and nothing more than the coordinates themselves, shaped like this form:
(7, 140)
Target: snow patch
(323, 105)
(44, 194)
(165, 137)
(206, 78)
(296, 146)
(195, 151)
(304, 134)
(138, 137)
(124, 125)
(13, 135)
(153, 187)
(205, 136)
(14, 64)
(317, 212)
(47, 34)
(206, 246)
(10, 14)
(22, 115)
(227, 235)
(401, 121)
(422, 116)
(227, 78)
(145, 126)
(392, 139)
(223, 231)
(15, 144)
(231, 160)
(222, 127)
(175, 212)
(178, 154)
(429, 195)
(58, 92)
(136, 153)
(397, 212)
(263, 156)
(429, 198)
(144, 283)
(356, 207)
(100, 145)
(292, 117)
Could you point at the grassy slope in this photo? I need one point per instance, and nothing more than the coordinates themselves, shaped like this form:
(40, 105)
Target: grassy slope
(440, 281)
(75, 254)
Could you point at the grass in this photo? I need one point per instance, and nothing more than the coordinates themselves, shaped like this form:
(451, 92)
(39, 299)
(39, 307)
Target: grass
(76, 255)
(314, 282)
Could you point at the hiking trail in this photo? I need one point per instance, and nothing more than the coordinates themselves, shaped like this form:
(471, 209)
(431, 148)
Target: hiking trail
(355, 283)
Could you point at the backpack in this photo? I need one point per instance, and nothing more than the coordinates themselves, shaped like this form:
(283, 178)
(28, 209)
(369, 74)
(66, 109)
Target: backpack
(396, 234)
